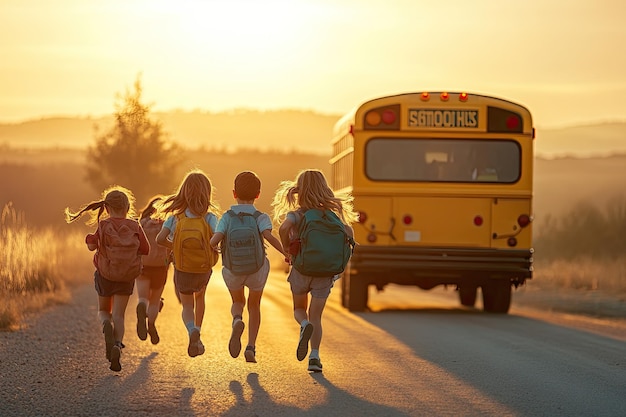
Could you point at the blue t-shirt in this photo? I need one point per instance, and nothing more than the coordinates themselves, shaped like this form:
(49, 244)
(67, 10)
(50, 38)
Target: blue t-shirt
(263, 221)
(170, 222)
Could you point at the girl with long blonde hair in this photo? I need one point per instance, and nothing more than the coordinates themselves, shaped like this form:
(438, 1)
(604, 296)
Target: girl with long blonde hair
(191, 201)
(310, 190)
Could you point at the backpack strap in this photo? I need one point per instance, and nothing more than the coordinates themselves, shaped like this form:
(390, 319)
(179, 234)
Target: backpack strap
(256, 214)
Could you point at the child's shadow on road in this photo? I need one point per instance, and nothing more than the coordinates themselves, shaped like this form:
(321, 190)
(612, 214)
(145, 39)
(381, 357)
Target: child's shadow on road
(337, 402)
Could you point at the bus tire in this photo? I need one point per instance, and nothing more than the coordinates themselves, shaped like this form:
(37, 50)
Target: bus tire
(497, 297)
(356, 293)
(467, 295)
(345, 278)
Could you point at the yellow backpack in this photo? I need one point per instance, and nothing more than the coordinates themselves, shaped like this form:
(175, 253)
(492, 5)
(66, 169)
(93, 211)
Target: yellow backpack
(192, 251)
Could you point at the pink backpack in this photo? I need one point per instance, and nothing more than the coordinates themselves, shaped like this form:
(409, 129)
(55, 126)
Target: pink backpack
(158, 255)
(118, 251)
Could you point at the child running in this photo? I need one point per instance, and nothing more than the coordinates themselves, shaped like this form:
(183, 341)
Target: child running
(187, 231)
(309, 191)
(119, 242)
(241, 233)
(151, 282)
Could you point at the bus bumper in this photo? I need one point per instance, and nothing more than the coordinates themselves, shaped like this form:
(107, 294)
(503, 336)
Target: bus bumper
(427, 267)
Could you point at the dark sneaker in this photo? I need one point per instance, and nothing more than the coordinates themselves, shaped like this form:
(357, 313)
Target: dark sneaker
(250, 354)
(142, 330)
(154, 335)
(116, 352)
(109, 341)
(234, 345)
(303, 343)
(194, 338)
(315, 365)
(200, 348)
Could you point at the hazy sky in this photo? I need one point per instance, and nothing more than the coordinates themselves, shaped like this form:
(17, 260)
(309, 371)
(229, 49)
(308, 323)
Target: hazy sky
(565, 60)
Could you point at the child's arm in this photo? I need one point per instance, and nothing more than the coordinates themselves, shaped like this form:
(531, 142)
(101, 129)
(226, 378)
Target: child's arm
(267, 234)
(162, 238)
(283, 232)
(92, 240)
(216, 239)
(349, 231)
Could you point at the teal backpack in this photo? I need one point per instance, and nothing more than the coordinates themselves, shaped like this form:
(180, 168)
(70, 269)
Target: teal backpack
(243, 251)
(325, 247)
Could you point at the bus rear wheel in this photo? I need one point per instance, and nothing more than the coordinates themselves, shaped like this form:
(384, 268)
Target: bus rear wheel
(467, 295)
(497, 296)
(354, 292)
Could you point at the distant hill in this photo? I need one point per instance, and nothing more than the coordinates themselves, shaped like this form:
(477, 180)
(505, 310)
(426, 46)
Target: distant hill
(601, 139)
(281, 130)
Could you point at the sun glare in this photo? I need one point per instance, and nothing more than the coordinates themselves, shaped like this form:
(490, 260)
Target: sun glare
(233, 31)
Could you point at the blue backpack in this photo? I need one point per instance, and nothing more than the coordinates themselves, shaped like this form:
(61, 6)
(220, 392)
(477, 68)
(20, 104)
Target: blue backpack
(243, 251)
(325, 247)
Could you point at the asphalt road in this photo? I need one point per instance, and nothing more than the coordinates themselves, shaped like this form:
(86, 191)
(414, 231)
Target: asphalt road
(417, 354)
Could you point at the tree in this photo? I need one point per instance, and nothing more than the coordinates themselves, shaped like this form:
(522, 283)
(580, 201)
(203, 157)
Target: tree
(135, 153)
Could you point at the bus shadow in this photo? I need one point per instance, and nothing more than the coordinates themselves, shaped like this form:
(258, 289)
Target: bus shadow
(491, 352)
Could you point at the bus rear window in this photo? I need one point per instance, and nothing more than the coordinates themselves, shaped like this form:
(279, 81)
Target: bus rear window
(443, 160)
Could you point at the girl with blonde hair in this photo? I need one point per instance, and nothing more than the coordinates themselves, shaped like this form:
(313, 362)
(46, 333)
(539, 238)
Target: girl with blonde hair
(119, 242)
(191, 205)
(310, 190)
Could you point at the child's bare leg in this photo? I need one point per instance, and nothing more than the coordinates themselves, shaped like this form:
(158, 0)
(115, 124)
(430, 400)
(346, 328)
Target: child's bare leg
(254, 314)
(300, 305)
(154, 304)
(200, 306)
(315, 316)
(239, 301)
(119, 310)
(143, 290)
(104, 308)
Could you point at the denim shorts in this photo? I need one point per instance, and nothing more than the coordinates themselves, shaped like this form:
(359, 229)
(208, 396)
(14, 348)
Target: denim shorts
(319, 287)
(189, 283)
(255, 281)
(108, 288)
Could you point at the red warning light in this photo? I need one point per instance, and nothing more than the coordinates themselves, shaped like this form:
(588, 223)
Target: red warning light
(512, 122)
(463, 97)
(445, 96)
(389, 117)
(425, 96)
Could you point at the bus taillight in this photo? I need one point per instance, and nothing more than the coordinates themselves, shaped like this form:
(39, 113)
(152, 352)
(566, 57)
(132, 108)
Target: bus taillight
(523, 220)
(478, 221)
(407, 219)
(362, 217)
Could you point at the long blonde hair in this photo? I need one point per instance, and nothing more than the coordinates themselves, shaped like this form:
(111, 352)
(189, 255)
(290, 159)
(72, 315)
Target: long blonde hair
(115, 197)
(310, 190)
(194, 193)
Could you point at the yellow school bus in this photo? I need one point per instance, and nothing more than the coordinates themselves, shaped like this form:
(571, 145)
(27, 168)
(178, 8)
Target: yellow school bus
(443, 183)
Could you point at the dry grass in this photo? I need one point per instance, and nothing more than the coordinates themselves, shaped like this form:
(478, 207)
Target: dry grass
(36, 267)
(582, 274)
